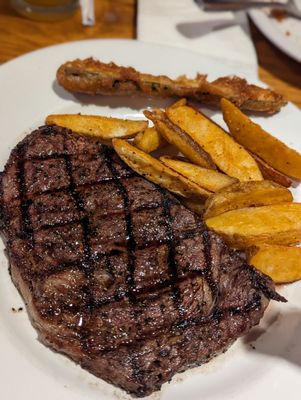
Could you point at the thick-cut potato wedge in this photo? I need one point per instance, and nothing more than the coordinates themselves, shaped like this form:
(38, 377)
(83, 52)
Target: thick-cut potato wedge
(149, 140)
(98, 126)
(246, 194)
(155, 171)
(281, 263)
(183, 142)
(272, 174)
(258, 141)
(228, 155)
(204, 177)
(179, 103)
(275, 224)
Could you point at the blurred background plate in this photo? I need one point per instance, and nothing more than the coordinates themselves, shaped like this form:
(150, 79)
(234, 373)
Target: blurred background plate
(284, 33)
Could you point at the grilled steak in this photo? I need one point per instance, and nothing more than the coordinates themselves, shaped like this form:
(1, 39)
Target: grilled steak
(115, 272)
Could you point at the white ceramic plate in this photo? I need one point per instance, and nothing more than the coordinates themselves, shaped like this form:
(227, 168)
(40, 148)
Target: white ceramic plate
(30, 371)
(285, 34)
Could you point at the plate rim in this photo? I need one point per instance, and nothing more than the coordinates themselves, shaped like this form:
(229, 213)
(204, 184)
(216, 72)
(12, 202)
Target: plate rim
(101, 395)
(273, 35)
(230, 63)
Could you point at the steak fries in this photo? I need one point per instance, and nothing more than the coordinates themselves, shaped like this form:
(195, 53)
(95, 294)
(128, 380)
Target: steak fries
(149, 140)
(274, 224)
(206, 178)
(104, 128)
(263, 144)
(219, 178)
(229, 156)
(155, 171)
(246, 194)
(180, 139)
(271, 174)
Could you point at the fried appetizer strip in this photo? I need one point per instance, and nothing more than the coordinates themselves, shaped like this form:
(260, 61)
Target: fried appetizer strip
(95, 77)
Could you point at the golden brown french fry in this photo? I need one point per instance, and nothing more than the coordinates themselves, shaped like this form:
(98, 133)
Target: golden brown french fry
(98, 126)
(204, 177)
(155, 171)
(183, 142)
(229, 156)
(245, 227)
(258, 141)
(178, 103)
(272, 174)
(281, 263)
(246, 194)
(149, 140)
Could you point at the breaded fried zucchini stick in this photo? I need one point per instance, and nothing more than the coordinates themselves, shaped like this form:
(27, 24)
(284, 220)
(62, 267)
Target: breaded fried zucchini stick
(95, 77)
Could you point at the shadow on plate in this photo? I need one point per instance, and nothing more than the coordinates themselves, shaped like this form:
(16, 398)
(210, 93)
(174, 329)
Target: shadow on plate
(136, 103)
(197, 29)
(193, 30)
(280, 337)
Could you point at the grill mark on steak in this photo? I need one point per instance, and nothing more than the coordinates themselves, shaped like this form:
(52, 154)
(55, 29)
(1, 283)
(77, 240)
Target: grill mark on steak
(260, 282)
(171, 254)
(26, 229)
(131, 244)
(218, 314)
(87, 262)
(208, 262)
(193, 298)
(77, 265)
(47, 157)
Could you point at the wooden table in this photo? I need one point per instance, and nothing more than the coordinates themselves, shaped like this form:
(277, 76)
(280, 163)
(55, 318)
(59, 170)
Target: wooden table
(117, 19)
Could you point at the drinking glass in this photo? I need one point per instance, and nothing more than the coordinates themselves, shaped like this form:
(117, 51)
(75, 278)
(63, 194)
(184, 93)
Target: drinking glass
(45, 10)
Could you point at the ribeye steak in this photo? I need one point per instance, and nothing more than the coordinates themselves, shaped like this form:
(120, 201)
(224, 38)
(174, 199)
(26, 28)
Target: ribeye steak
(115, 272)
